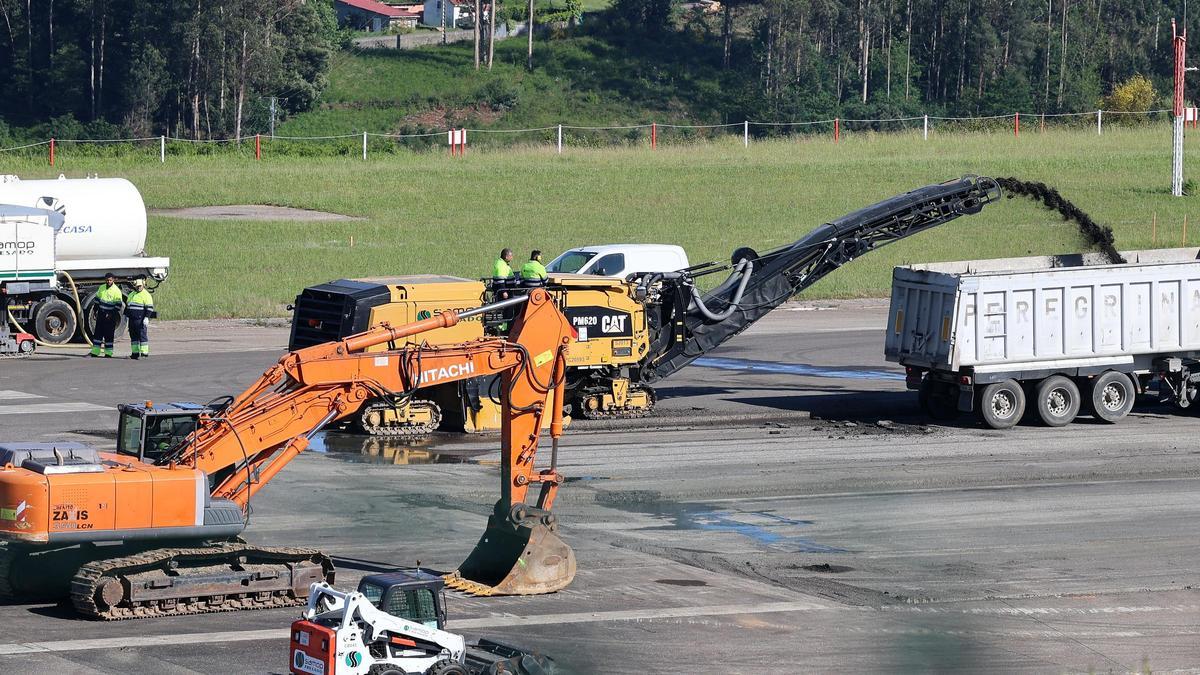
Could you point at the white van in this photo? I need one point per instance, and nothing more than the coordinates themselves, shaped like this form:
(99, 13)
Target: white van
(619, 260)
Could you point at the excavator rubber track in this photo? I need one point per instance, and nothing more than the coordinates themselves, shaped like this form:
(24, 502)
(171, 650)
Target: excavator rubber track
(618, 413)
(406, 430)
(176, 581)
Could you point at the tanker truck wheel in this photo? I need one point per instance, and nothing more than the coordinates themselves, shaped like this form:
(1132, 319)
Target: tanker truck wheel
(89, 311)
(54, 321)
(1111, 396)
(1057, 401)
(1001, 404)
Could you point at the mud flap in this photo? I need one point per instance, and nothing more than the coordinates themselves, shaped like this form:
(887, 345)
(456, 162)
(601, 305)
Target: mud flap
(518, 554)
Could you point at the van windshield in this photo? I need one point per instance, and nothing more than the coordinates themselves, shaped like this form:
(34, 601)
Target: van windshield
(570, 262)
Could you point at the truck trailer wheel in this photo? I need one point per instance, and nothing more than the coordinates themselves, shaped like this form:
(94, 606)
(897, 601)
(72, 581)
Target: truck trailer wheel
(1057, 401)
(1001, 404)
(1111, 396)
(54, 321)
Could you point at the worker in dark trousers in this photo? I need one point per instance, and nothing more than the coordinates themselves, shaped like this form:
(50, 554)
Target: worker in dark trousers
(502, 278)
(108, 314)
(139, 307)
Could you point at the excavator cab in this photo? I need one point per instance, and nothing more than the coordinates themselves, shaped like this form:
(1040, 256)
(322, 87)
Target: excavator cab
(148, 431)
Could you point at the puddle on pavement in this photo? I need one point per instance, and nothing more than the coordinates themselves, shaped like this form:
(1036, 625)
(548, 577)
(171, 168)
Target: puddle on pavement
(765, 527)
(681, 582)
(381, 450)
(752, 365)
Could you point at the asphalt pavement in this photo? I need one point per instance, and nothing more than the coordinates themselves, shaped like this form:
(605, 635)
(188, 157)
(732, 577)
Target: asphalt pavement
(786, 509)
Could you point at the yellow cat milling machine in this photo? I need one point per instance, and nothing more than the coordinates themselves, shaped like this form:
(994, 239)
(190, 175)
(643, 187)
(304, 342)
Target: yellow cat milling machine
(635, 331)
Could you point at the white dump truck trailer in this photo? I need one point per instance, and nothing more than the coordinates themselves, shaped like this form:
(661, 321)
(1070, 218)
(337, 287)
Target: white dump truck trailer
(58, 238)
(1059, 334)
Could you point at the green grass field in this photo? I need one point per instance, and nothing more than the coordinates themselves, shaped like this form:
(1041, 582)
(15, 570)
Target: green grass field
(427, 213)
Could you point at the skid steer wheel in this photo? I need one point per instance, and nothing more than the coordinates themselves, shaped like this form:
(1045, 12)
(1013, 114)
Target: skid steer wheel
(1057, 401)
(384, 669)
(1001, 404)
(446, 667)
(1111, 396)
(937, 400)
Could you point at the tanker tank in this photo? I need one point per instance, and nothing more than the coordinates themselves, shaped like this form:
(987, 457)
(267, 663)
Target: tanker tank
(105, 218)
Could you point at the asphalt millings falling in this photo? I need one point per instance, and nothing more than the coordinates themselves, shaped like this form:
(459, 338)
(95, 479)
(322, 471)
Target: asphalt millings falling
(1097, 235)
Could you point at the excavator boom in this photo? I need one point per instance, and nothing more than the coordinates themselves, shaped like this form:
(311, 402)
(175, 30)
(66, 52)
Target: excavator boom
(202, 489)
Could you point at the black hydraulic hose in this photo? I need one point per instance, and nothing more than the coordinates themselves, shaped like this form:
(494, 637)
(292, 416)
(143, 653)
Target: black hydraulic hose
(745, 268)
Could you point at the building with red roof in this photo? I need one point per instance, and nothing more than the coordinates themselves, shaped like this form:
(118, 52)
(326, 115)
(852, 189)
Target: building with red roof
(372, 15)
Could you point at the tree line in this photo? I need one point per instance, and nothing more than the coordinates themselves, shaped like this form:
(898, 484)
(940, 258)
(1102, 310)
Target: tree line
(212, 68)
(195, 68)
(881, 58)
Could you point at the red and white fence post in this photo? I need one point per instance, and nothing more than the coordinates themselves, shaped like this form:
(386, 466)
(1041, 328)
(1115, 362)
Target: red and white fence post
(1017, 124)
(746, 133)
(653, 135)
(560, 139)
(837, 129)
(257, 147)
(51, 152)
(925, 129)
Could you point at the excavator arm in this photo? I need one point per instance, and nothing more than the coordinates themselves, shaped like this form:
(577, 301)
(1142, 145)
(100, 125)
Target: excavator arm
(693, 324)
(245, 445)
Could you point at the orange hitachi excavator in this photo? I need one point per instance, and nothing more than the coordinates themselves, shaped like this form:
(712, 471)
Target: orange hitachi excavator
(155, 532)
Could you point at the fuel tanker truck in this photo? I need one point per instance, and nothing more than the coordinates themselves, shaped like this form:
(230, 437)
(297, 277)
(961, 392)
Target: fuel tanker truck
(58, 238)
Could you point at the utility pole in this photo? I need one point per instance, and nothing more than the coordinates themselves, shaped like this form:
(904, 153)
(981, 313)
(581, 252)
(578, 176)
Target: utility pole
(272, 117)
(1179, 42)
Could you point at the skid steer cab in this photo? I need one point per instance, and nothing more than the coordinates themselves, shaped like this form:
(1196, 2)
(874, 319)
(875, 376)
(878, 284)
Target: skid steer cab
(394, 624)
(147, 431)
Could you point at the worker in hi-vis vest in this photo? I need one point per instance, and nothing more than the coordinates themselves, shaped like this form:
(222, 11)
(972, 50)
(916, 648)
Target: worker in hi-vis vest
(502, 266)
(139, 307)
(108, 303)
(534, 269)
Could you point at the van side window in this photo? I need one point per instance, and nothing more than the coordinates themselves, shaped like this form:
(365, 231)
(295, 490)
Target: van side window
(610, 265)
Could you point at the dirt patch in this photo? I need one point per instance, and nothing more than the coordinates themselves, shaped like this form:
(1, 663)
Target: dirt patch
(250, 212)
(439, 116)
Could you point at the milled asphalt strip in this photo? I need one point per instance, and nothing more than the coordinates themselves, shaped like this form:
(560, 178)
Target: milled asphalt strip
(485, 622)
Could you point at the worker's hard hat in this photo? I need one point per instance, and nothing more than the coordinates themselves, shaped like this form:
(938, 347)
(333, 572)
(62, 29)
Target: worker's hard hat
(139, 283)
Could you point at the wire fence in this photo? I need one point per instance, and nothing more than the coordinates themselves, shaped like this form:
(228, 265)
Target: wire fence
(562, 137)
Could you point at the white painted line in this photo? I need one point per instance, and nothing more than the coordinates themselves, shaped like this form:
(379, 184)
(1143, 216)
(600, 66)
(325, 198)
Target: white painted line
(484, 622)
(944, 490)
(37, 408)
(9, 395)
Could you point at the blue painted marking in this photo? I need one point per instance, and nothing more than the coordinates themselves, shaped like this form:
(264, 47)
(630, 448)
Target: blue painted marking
(724, 521)
(750, 365)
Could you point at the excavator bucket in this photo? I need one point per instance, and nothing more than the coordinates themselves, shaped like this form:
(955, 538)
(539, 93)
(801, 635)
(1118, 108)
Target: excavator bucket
(527, 558)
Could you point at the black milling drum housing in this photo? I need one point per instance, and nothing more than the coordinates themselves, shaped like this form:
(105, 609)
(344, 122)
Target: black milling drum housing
(692, 324)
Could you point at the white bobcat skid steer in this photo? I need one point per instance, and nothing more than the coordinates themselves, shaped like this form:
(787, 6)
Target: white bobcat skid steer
(394, 625)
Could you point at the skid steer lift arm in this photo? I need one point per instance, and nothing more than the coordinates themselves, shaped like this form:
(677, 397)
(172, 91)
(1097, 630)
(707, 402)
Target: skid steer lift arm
(694, 324)
(245, 445)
